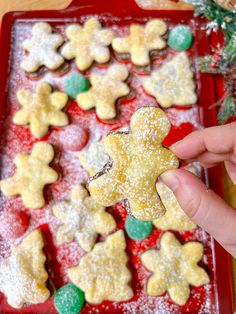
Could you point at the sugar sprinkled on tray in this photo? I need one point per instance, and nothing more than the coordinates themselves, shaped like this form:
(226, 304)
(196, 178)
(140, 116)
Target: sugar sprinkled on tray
(19, 139)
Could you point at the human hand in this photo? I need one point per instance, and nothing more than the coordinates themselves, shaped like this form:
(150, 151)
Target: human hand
(210, 147)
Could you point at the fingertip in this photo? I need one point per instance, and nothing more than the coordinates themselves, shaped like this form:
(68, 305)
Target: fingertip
(186, 186)
(203, 206)
(170, 178)
(231, 170)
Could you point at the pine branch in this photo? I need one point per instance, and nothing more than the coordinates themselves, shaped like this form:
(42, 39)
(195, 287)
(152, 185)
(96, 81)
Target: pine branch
(229, 52)
(204, 63)
(228, 110)
(212, 11)
(228, 59)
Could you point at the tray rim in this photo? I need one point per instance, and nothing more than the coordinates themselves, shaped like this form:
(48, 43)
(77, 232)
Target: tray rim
(224, 302)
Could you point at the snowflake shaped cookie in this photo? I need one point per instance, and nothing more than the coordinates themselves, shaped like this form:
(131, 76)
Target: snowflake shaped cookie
(172, 83)
(104, 92)
(82, 219)
(42, 48)
(174, 217)
(87, 44)
(138, 159)
(174, 268)
(32, 174)
(141, 41)
(22, 275)
(41, 109)
(94, 158)
(102, 273)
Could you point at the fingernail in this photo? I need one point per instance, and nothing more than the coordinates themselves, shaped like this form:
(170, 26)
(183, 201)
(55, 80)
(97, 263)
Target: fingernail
(175, 144)
(232, 177)
(170, 179)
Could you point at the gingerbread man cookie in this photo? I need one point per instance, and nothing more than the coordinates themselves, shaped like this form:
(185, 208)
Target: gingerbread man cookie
(138, 159)
(172, 83)
(102, 273)
(32, 174)
(82, 219)
(174, 218)
(174, 268)
(22, 275)
(104, 92)
(87, 44)
(42, 48)
(141, 41)
(41, 109)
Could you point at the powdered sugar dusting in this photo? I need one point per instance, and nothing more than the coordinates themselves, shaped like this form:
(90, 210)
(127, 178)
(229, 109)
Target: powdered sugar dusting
(18, 138)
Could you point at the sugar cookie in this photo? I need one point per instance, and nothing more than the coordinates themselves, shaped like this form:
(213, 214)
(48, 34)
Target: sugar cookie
(172, 83)
(102, 273)
(22, 275)
(87, 44)
(32, 174)
(104, 91)
(41, 109)
(42, 48)
(174, 268)
(138, 159)
(93, 158)
(141, 41)
(82, 219)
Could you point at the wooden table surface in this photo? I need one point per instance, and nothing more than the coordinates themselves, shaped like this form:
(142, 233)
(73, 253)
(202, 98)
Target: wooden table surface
(13, 5)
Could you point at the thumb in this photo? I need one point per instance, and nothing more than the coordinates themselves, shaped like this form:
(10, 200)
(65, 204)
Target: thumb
(203, 206)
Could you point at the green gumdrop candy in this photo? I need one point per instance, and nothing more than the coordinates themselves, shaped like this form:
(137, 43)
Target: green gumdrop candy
(137, 229)
(69, 299)
(75, 84)
(180, 38)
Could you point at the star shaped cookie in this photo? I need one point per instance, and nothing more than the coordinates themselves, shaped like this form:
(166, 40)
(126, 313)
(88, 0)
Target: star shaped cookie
(138, 159)
(174, 217)
(32, 174)
(172, 83)
(22, 275)
(42, 48)
(102, 273)
(41, 109)
(82, 219)
(87, 44)
(174, 268)
(141, 41)
(104, 91)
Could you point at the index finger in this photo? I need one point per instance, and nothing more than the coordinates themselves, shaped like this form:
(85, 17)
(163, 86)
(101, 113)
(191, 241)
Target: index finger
(217, 140)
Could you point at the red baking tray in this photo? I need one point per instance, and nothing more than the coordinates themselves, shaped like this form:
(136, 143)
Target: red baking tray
(213, 298)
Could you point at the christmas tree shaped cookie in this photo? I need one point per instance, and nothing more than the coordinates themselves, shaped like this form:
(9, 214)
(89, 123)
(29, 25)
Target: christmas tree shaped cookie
(41, 109)
(102, 273)
(87, 44)
(172, 83)
(174, 218)
(104, 92)
(82, 219)
(42, 48)
(141, 41)
(32, 174)
(22, 275)
(138, 159)
(174, 268)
